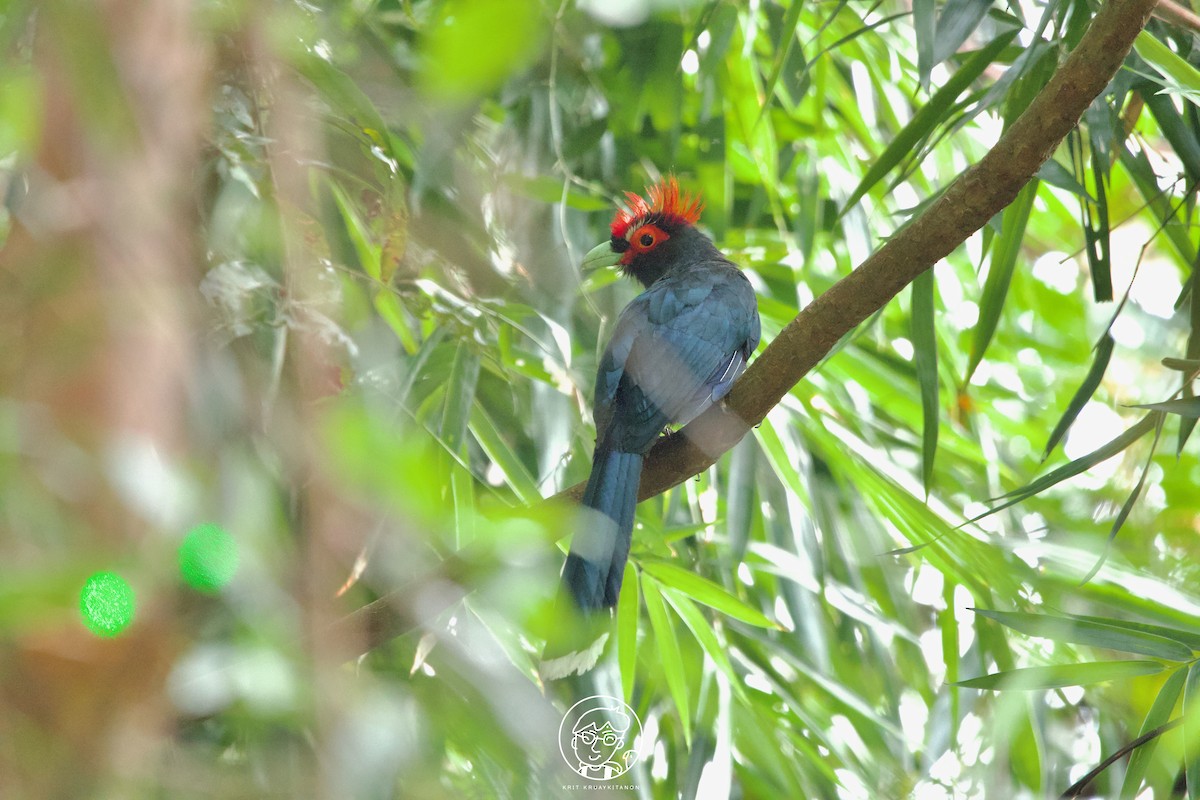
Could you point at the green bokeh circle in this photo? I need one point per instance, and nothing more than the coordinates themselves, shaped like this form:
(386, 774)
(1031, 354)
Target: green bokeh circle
(208, 558)
(106, 603)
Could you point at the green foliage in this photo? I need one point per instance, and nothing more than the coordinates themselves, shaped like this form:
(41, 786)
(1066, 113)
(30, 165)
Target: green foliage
(394, 203)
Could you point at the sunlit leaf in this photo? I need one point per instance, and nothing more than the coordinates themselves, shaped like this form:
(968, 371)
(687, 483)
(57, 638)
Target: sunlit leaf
(628, 612)
(668, 650)
(1094, 633)
(925, 360)
(1005, 252)
(1062, 675)
(929, 116)
(1160, 711)
(705, 591)
(1083, 394)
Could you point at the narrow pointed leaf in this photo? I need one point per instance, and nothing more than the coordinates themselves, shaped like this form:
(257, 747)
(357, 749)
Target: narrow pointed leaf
(1058, 676)
(1127, 506)
(1159, 713)
(929, 116)
(705, 591)
(1178, 72)
(1191, 730)
(502, 455)
(958, 20)
(628, 608)
(1188, 424)
(924, 338)
(1081, 464)
(1004, 259)
(1083, 394)
(668, 650)
(1095, 634)
(784, 53)
(700, 627)
(925, 30)
(1097, 237)
(1185, 407)
(1190, 638)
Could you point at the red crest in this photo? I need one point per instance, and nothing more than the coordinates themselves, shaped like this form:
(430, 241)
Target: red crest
(666, 204)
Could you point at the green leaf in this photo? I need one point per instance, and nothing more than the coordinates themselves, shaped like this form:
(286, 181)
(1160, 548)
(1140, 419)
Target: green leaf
(1093, 633)
(1083, 394)
(366, 250)
(668, 650)
(628, 607)
(1096, 234)
(1187, 424)
(1185, 407)
(705, 591)
(502, 455)
(1190, 638)
(1182, 364)
(1081, 464)
(958, 20)
(706, 637)
(925, 32)
(924, 337)
(344, 95)
(929, 116)
(1179, 73)
(471, 47)
(1055, 174)
(460, 396)
(1191, 730)
(1127, 506)
(1159, 713)
(1004, 259)
(784, 53)
(1061, 675)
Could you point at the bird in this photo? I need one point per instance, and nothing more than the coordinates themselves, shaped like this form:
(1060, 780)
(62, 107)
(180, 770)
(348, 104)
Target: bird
(676, 349)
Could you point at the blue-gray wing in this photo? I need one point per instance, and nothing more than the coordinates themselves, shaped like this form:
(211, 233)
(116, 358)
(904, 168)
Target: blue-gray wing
(677, 349)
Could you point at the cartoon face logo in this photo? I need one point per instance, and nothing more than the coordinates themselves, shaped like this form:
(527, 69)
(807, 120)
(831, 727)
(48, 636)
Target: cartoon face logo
(600, 737)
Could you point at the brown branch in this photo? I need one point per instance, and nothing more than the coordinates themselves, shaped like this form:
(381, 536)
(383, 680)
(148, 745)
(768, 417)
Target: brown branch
(980, 193)
(1177, 14)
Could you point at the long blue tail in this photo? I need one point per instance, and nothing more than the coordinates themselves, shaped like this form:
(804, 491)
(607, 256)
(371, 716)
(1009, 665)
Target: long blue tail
(596, 563)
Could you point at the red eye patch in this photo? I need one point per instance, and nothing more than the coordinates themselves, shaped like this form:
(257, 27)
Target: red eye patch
(643, 240)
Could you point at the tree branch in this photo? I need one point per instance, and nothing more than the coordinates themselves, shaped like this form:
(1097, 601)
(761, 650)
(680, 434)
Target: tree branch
(979, 194)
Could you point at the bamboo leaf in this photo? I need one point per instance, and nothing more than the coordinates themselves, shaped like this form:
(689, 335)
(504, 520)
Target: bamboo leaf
(1081, 464)
(1127, 506)
(705, 591)
(1096, 235)
(627, 624)
(929, 116)
(668, 650)
(958, 20)
(1191, 730)
(706, 637)
(1190, 638)
(1061, 675)
(924, 337)
(1188, 407)
(503, 456)
(1004, 260)
(1083, 394)
(925, 31)
(1181, 76)
(783, 53)
(1159, 713)
(1090, 632)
